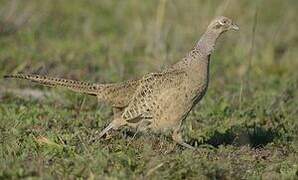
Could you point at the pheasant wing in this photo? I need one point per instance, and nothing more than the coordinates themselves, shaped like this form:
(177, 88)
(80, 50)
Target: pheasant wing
(144, 99)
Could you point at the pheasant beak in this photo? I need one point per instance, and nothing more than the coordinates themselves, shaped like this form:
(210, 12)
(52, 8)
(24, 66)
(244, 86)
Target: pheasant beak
(235, 27)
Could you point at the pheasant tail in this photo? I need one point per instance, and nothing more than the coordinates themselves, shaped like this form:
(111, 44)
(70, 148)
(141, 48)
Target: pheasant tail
(77, 86)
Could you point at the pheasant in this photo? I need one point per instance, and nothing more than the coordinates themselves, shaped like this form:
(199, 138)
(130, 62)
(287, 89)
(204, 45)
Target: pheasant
(158, 101)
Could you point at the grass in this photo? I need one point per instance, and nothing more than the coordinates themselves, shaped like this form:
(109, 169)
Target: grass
(245, 127)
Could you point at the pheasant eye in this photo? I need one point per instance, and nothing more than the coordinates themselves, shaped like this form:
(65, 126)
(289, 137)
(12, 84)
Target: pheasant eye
(222, 22)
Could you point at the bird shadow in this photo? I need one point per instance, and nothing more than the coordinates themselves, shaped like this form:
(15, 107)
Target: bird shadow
(255, 137)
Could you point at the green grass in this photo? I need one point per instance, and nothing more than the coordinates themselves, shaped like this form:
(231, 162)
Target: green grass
(245, 127)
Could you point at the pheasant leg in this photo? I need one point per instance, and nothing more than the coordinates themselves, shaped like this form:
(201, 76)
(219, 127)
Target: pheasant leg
(177, 137)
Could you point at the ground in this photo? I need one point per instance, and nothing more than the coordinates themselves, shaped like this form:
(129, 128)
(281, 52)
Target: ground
(245, 127)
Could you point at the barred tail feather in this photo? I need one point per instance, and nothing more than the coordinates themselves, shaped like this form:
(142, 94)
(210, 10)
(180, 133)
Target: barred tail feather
(77, 86)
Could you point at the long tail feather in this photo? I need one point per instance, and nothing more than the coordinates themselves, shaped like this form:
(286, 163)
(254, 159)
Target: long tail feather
(77, 86)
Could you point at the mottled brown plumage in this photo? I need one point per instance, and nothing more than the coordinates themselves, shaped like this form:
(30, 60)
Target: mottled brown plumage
(158, 101)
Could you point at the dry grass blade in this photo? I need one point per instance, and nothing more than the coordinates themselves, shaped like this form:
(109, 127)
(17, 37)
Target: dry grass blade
(150, 171)
(251, 52)
(44, 140)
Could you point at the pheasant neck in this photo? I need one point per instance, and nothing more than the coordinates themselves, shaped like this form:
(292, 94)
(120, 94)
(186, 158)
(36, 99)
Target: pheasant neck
(207, 42)
(200, 54)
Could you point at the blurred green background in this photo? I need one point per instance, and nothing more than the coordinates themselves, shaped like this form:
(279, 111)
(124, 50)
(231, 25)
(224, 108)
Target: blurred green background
(245, 127)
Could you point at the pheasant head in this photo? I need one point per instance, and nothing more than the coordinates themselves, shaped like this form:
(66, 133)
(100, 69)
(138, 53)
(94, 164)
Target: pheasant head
(221, 24)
